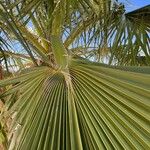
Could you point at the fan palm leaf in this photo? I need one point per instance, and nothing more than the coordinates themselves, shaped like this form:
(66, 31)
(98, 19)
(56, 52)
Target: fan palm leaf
(90, 107)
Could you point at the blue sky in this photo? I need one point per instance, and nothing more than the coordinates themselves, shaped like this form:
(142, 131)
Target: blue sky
(134, 4)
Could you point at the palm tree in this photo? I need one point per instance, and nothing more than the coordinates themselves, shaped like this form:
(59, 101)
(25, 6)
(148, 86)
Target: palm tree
(85, 88)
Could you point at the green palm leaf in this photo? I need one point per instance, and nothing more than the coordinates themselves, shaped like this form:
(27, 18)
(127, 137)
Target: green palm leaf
(91, 107)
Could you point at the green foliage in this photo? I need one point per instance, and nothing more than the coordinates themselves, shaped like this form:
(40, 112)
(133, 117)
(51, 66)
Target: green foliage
(3, 137)
(64, 101)
(100, 30)
(89, 108)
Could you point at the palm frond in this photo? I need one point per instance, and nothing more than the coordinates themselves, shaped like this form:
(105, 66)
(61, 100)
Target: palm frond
(89, 108)
(119, 37)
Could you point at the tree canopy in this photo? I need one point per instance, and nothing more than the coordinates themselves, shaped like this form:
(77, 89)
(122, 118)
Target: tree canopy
(81, 78)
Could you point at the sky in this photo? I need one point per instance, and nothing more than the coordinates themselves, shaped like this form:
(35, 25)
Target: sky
(134, 4)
